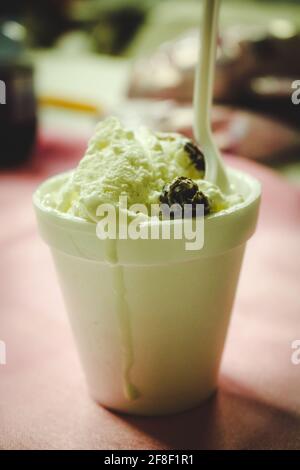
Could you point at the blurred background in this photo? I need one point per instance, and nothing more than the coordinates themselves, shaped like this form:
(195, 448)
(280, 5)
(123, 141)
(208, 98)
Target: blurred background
(68, 63)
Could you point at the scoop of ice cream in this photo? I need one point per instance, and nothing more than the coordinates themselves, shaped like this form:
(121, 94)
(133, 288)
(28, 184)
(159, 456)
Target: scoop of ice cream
(138, 164)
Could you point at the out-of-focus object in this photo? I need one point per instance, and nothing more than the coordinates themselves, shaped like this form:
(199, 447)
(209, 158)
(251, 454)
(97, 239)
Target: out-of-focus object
(256, 68)
(259, 137)
(18, 108)
(239, 132)
(110, 24)
(72, 105)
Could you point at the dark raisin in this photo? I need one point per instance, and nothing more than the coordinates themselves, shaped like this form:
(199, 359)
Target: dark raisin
(182, 191)
(195, 155)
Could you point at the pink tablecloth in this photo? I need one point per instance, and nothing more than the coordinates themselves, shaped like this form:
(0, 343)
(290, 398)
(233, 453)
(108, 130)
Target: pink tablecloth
(43, 399)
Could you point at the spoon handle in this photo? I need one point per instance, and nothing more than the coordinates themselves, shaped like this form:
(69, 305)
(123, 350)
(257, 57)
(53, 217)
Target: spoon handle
(203, 95)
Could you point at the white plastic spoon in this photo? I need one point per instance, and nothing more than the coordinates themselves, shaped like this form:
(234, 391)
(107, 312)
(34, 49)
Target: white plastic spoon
(203, 94)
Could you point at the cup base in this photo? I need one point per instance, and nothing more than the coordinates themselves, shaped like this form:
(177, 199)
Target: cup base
(154, 409)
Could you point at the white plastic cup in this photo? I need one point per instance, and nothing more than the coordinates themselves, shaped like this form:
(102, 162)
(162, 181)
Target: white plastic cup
(151, 329)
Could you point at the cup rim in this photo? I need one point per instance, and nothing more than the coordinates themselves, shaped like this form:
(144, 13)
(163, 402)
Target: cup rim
(77, 223)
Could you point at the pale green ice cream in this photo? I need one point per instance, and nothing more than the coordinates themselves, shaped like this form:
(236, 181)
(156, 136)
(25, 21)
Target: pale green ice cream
(138, 164)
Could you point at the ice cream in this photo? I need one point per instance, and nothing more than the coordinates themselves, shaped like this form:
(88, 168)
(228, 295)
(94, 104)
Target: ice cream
(149, 168)
(149, 317)
(150, 326)
(140, 164)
